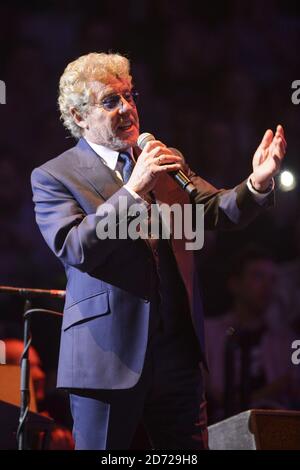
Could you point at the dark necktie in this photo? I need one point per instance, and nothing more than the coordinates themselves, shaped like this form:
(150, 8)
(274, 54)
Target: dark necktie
(127, 165)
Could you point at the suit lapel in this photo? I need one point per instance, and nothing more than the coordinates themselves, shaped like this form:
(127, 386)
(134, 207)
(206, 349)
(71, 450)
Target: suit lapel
(103, 180)
(93, 169)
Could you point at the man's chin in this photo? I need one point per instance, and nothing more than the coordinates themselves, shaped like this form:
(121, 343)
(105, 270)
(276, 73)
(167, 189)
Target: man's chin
(127, 141)
(120, 144)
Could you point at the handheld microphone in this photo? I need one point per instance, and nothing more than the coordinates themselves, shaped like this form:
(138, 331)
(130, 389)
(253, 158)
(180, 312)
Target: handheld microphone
(179, 176)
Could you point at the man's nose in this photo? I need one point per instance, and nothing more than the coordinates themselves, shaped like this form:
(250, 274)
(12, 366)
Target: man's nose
(124, 105)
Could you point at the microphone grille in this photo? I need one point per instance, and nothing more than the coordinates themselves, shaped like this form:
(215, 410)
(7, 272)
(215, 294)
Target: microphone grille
(144, 138)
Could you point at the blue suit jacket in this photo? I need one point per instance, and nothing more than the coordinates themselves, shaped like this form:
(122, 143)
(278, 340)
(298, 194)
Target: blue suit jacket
(106, 313)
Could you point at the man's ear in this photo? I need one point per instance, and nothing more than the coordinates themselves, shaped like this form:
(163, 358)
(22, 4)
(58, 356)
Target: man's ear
(80, 121)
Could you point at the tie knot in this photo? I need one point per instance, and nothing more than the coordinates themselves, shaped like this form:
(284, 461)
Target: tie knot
(128, 165)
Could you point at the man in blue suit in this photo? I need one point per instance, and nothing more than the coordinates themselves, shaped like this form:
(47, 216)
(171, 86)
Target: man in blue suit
(132, 345)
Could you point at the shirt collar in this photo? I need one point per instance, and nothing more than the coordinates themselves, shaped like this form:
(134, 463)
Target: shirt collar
(109, 156)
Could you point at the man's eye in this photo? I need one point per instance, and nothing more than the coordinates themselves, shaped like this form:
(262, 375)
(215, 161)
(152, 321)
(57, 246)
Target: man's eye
(111, 102)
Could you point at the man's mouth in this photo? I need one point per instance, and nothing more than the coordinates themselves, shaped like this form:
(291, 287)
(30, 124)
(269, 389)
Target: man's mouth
(125, 126)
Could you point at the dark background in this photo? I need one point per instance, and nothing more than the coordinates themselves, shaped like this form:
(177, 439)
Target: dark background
(212, 76)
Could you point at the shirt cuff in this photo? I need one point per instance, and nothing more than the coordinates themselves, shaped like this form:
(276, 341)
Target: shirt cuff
(258, 195)
(138, 198)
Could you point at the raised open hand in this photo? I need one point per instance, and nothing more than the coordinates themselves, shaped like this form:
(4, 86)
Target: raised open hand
(268, 158)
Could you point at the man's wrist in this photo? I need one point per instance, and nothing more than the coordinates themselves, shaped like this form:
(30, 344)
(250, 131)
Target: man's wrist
(261, 188)
(136, 196)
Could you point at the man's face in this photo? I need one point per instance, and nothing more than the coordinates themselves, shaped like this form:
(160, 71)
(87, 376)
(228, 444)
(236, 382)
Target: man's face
(118, 128)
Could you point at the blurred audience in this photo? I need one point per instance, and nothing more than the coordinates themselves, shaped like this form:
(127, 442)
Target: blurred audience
(286, 305)
(249, 358)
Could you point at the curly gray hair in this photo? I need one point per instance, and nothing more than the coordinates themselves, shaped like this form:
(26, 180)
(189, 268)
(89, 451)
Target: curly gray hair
(75, 88)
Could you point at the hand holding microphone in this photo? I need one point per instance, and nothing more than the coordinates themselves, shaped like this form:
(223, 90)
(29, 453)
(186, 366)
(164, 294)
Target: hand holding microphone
(178, 175)
(154, 160)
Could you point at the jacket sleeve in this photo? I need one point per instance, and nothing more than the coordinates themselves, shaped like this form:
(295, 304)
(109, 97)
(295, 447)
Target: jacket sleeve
(69, 232)
(228, 209)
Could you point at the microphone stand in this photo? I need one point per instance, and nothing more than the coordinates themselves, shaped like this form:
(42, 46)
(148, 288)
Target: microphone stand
(28, 294)
(236, 341)
(24, 385)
